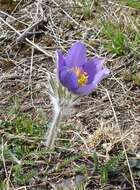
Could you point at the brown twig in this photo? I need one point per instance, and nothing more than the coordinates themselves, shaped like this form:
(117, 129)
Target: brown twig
(27, 40)
(26, 32)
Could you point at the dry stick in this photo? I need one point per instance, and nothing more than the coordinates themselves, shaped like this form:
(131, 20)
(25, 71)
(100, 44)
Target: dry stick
(4, 165)
(5, 99)
(26, 32)
(117, 123)
(3, 159)
(67, 14)
(10, 26)
(30, 42)
(31, 69)
(52, 28)
(9, 77)
(16, 6)
(15, 19)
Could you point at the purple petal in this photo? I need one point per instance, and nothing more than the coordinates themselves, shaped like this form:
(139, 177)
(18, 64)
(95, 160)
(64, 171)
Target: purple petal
(69, 79)
(85, 90)
(101, 75)
(76, 55)
(92, 67)
(60, 61)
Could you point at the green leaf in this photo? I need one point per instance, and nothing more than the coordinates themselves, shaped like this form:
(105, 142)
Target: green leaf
(104, 176)
(132, 3)
(95, 160)
(117, 39)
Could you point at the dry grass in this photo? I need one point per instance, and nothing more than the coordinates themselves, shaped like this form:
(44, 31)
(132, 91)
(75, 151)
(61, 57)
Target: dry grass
(107, 121)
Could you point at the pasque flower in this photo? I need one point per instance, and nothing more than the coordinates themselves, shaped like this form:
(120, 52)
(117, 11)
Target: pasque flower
(77, 73)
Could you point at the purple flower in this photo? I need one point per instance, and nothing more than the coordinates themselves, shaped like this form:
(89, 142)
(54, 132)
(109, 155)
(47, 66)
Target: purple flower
(77, 73)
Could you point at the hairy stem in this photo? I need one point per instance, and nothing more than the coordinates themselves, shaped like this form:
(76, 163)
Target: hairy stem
(53, 131)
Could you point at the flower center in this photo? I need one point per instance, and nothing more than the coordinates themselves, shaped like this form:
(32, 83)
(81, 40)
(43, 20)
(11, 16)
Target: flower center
(82, 76)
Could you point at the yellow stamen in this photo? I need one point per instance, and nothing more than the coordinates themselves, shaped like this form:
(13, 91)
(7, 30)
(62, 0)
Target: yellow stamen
(82, 79)
(82, 76)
